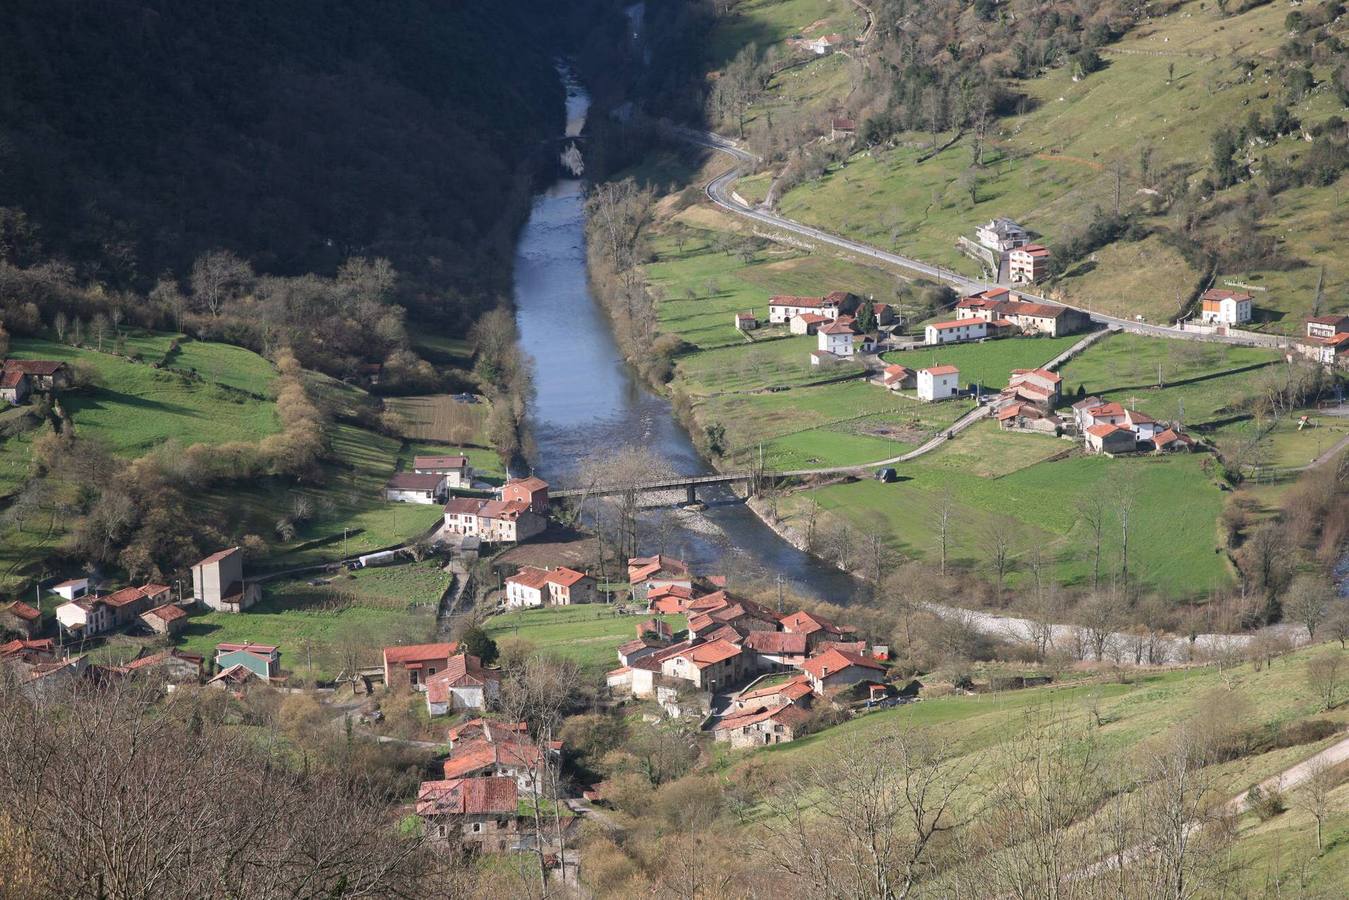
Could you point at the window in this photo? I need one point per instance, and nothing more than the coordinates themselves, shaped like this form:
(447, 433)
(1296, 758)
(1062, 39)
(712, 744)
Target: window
(477, 828)
(441, 831)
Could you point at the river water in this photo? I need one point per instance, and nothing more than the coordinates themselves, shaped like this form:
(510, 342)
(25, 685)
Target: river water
(587, 400)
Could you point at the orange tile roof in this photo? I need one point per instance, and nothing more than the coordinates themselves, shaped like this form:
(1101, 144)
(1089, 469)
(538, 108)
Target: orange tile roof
(711, 653)
(941, 370)
(493, 795)
(420, 652)
(836, 661)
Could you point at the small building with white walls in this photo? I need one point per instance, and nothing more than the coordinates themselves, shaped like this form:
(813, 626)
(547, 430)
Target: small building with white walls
(938, 383)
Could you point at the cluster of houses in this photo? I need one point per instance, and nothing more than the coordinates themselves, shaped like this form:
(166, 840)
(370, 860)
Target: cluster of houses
(931, 384)
(998, 312)
(730, 643)
(451, 679)
(519, 512)
(19, 378)
(491, 779)
(832, 319)
(560, 586)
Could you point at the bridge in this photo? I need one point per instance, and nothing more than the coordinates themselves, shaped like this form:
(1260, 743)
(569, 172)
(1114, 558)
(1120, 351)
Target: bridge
(687, 483)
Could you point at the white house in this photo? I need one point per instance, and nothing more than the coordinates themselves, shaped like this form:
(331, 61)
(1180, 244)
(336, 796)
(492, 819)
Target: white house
(782, 309)
(955, 331)
(938, 383)
(1028, 264)
(532, 586)
(824, 45)
(1001, 234)
(85, 617)
(456, 469)
(462, 684)
(836, 338)
(416, 487)
(497, 521)
(218, 582)
(1223, 307)
(71, 589)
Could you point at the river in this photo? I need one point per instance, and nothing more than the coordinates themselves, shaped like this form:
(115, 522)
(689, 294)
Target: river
(587, 399)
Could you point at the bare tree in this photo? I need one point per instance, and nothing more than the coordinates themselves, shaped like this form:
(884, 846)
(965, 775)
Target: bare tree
(945, 511)
(218, 277)
(1314, 798)
(1337, 624)
(868, 823)
(1325, 675)
(1124, 501)
(1091, 511)
(997, 537)
(1101, 619)
(1308, 602)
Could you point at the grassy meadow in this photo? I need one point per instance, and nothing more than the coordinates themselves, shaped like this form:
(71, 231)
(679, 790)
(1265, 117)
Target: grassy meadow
(587, 633)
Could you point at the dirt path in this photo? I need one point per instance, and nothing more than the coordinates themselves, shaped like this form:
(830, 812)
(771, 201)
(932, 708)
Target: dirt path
(1294, 775)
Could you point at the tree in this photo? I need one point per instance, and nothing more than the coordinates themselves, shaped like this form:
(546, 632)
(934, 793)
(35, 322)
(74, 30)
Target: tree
(945, 512)
(1337, 624)
(1308, 602)
(476, 642)
(1314, 798)
(218, 277)
(996, 537)
(1091, 513)
(1125, 499)
(1324, 675)
(98, 328)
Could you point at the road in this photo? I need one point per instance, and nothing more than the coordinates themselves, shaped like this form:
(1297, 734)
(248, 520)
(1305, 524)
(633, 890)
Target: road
(720, 190)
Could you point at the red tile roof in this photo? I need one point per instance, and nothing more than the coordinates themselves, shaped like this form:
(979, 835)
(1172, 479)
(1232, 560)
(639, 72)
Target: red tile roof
(10, 378)
(794, 688)
(787, 300)
(788, 714)
(777, 642)
(494, 795)
(169, 612)
(531, 484)
(217, 556)
(835, 661)
(804, 622)
(1035, 250)
(1220, 294)
(414, 481)
(477, 754)
(955, 323)
(1105, 429)
(642, 568)
(530, 577)
(43, 368)
(836, 328)
(24, 611)
(462, 670)
(439, 462)
(420, 652)
(941, 370)
(711, 653)
(248, 646)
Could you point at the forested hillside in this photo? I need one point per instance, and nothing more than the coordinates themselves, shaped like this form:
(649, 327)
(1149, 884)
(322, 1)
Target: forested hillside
(136, 135)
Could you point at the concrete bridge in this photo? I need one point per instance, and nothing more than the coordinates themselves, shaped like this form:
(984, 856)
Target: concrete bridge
(688, 483)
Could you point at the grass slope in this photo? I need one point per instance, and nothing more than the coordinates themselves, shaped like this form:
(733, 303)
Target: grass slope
(589, 633)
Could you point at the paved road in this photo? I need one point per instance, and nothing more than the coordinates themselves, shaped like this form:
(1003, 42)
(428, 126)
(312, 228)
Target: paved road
(720, 191)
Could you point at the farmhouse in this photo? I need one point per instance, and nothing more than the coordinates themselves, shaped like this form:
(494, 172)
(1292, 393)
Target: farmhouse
(777, 649)
(1000, 234)
(456, 469)
(1028, 264)
(1037, 386)
(496, 521)
(477, 814)
(713, 666)
(218, 582)
(836, 338)
(745, 321)
(1028, 417)
(14, 387)
(173, 665)
(90, 616)
(763, 726)
(1001, 305)
(824, 45)
(807, 323)
(415, 487)
(938, 383)
(815, 628)
(531, 491)
(43, 374)
(1327, 351)
(1327, 326)
(954, 331)
(774, 691)
(1223, 307)
(463, 684)
(512, 756)
(782, 308)
(413, 664)
(562, 586)
(168, 619)
(898, 378)
(842, 128)
(260, 660)
(834, 670)
(1107, 438)
(669, 600)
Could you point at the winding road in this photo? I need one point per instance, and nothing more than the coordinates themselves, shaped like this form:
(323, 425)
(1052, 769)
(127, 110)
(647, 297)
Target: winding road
(721, 191)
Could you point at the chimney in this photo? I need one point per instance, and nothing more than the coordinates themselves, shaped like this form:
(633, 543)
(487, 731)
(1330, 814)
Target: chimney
(824, 672)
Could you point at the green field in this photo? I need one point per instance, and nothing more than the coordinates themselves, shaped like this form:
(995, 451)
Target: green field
(766, 22)
(1174, 541)
(989, 363)
(368, 609)
(589, 634)
(134, 408)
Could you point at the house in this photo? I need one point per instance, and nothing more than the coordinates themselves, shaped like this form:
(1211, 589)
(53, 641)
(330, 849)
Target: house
(218, 582)
(777, 649)
(477, 814)
(496, 521)
(824, 45)
(1028, 417)
(807, 323)
(168, 619)
(128, 603)
(954, 331)
(1001, 306)
(28, 651)
(516, 757)
(713, 666)
(173, 665)
(1327, 326)
(745, 321)
(762, 726)
(489, 730)
(1172, 440)
(262, 661)
(669, 600)
(1095, 411)
(531, 491)
(43, 374)
(1325, 350)
(836, 338)
(456, 469)
(774, 691)
(783, 308)
(835, 670)
(649, 574)
(414, 663)
(1218, 306)
(983, 305)
(1000, 234)
(1027, 264)
(842, 128)
(463, 684)
(1106, 438)
(1038, 386)
(17, 617)
(85, 617)
(815, 628)
(414, 487)
(562, 586)
(898, 378)
(938, 383)
(638, 648)
(71, 588)
(14, 387)
(1142, 425)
